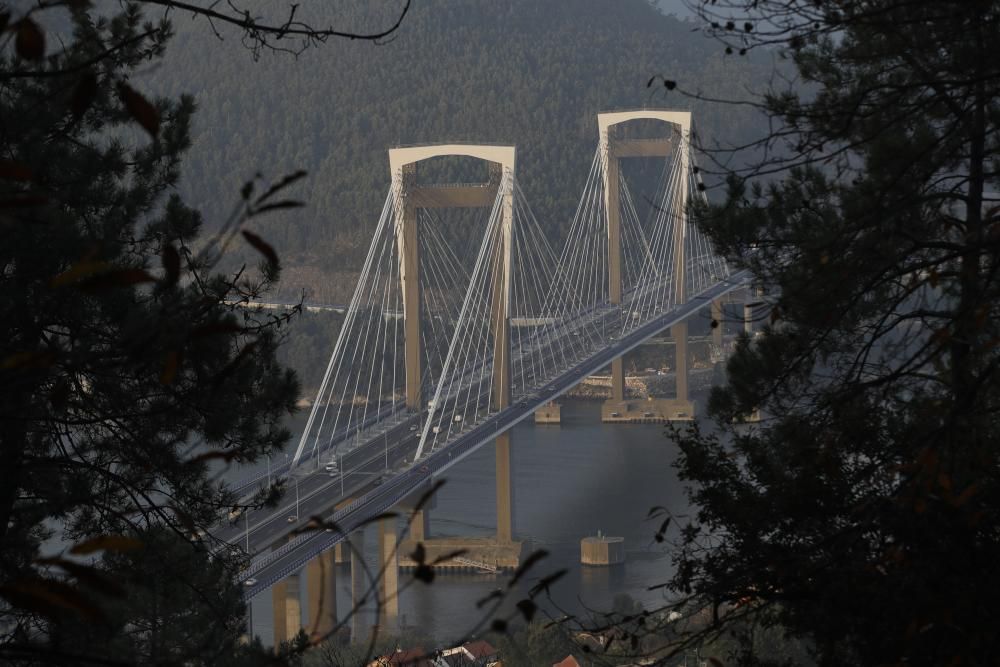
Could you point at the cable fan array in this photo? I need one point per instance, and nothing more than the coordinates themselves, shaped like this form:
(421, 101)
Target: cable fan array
(665, 261)
(361, 395)
(507, 292)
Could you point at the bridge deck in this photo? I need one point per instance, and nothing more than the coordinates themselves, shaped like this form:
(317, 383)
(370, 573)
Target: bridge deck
(418, 476)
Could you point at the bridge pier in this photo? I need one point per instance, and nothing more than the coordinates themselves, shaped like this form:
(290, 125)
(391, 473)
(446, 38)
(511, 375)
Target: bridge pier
(680, 408)
(420, 528)
(505, 491)
(680, 335)
(359, 586)
(499, 552)
(287, 609)
(321, 591)
(618, 379)
(389, 578)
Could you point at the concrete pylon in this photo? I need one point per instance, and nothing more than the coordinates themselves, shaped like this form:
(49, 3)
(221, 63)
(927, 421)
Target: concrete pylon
(410, 196)
(505, 490)
(359, 586)
(389, 581)
(679, 332)
(420, 525)
(287, 609)
(321, 592)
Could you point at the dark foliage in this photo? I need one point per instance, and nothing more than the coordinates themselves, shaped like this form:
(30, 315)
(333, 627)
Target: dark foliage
(861, 512)
(126, 378)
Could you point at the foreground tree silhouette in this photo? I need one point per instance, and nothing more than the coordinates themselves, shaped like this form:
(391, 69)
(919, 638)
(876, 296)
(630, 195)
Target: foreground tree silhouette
(861, 512)
(126, 378)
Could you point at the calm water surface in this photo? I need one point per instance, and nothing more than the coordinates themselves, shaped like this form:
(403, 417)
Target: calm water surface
(569, 482)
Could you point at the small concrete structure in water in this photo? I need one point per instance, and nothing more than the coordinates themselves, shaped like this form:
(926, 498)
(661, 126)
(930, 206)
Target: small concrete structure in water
(602, 550)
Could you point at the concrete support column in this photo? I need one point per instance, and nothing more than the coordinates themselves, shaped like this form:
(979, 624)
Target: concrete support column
(388, 584)
(679, 333)
(748, 318)
(505, 491)
(359, 586)
(618, 379)
(717, 318)
(287, 609)
(420, 526)
(321, 591)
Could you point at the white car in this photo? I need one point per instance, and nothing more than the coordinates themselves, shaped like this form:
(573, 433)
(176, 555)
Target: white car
(250, 582)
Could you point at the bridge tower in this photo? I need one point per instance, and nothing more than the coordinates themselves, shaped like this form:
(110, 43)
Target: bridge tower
(613, 150)
(412, 196)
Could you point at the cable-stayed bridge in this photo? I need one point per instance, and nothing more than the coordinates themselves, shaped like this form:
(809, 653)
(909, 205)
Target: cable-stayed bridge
(447, 346)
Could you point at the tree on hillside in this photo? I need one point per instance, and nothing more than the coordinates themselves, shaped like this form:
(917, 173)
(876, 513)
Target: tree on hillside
(176, 609)
(861, 513)
(127, 377)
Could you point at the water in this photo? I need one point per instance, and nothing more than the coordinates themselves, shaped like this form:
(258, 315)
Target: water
(569, 482)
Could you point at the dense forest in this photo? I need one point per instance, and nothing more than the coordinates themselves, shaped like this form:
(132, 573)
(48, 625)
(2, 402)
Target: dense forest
(529, 73)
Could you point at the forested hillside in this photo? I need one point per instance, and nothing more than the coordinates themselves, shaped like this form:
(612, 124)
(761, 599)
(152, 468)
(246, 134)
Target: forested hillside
(528, 72)
(520, 71)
